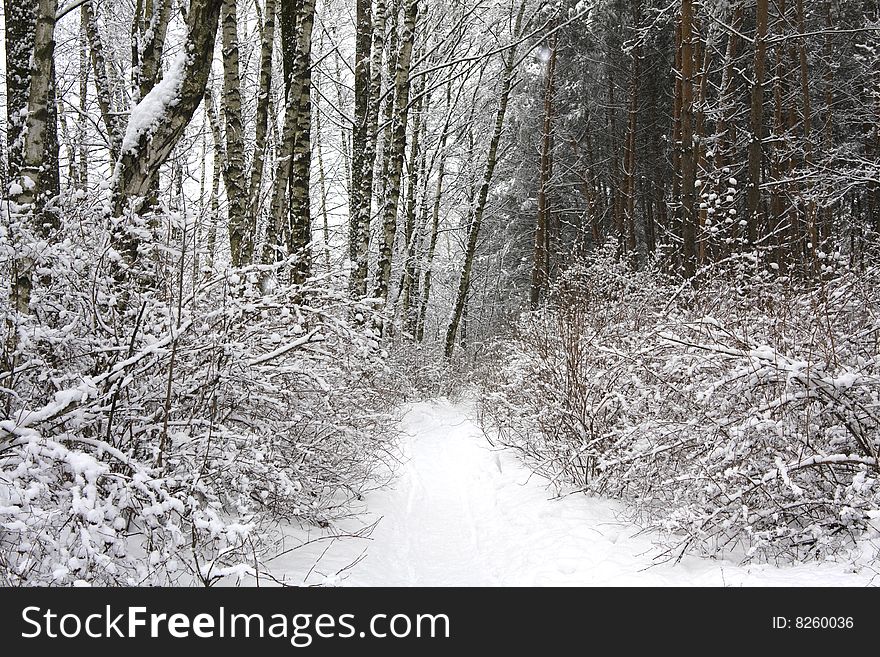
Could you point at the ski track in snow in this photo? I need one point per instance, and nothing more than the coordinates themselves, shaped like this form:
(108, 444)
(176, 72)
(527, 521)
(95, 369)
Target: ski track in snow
(463, 513)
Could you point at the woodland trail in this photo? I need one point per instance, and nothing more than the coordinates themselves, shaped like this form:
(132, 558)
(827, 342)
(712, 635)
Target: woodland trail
(461, 512)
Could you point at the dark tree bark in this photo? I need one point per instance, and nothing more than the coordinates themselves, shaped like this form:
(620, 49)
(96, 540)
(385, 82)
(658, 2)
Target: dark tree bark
(254, 191)
(33, 147)
(629, 155)
(152, 134)
(290, 222)
(233, 165)
(31, 110)
(364, 194)
(756, 122)
(363, 44)
(300, 208)
(688, 153)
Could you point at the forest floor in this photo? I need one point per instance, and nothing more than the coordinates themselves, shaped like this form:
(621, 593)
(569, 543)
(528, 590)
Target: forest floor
(460, 512)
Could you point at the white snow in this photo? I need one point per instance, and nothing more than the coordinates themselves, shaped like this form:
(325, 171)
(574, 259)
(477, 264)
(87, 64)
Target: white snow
(153, 107)
(463, 513)
(86, 465)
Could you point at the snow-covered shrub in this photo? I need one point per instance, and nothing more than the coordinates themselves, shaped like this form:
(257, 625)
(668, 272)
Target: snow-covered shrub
(419, 368)
(741, 415)
(159, 435)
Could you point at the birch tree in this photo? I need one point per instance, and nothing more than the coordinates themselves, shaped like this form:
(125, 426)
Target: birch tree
(158, 121)
(261, 131)
(363, 194)
(300, 207)
(290, 223)
(33, 150)
(476, 219)
(109, 113)
(396, 149)
(362, 67)
(234, 161)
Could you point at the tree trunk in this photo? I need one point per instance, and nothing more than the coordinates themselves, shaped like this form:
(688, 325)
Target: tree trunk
(540, 258)
(688, 152)
(362, 171)
(807, 125)
(756, 122)
(595, 207)
(255, 185)
(81, 177)
(362, 45)
(416, 169)
(40, 162)
(872, 149)
(396, 150)
(779, 208)
(677, 227)
(290, 224)
(435, 223)
(31, 110)
(480, 205)
(614, 171)
(112, 121)
(216, 174)
(829, 81)
(629, 158)
(702, 55)
(300, 208)
(724, 142)
(152, 22)
(33, 152)
(233, 165)
(393, 53)
(322, 182)
(156, 124)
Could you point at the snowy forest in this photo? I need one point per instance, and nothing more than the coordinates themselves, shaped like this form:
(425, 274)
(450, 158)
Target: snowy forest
(590, 283)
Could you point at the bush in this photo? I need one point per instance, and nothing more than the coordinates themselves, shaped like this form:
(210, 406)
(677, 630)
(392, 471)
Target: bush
(740, 416)
(160, 435)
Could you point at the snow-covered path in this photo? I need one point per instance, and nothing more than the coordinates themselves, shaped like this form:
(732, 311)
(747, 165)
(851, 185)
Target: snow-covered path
(462, 513)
